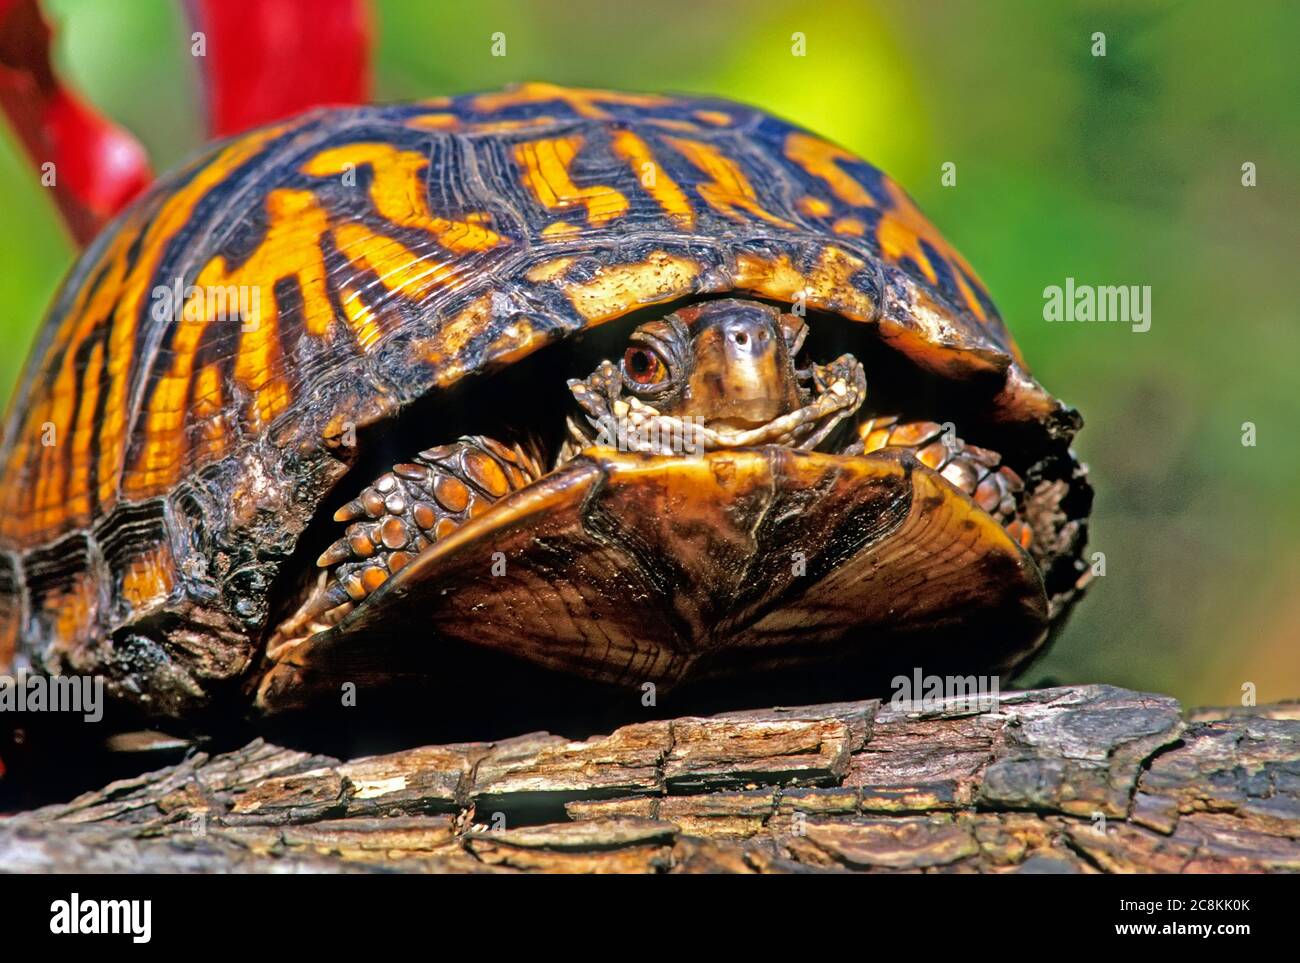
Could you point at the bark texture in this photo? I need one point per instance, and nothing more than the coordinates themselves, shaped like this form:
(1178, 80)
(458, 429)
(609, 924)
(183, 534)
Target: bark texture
(1082, 779)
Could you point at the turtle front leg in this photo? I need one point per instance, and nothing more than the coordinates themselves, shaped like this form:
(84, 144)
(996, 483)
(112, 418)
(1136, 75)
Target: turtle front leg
(403, 512)
(976, 471)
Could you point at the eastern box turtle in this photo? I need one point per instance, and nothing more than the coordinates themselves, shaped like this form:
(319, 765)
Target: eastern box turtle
(639, 388)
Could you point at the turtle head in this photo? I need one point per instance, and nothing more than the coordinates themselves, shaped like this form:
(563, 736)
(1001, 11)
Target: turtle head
(727, 362)
(717, 374)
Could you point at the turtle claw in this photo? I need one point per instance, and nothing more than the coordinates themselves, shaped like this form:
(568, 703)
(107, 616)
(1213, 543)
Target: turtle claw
(977, 472)
(406, 510)
(350, 512)
(338, 552)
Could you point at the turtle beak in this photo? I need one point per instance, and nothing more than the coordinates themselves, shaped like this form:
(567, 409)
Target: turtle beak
(742, 375)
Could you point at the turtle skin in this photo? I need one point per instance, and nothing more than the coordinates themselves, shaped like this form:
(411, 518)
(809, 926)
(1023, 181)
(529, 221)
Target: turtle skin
(164, 455)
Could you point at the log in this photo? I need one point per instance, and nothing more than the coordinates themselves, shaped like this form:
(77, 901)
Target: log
(1090, 779)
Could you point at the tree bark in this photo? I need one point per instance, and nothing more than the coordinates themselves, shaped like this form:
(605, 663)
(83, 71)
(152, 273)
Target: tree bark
(1082, 779)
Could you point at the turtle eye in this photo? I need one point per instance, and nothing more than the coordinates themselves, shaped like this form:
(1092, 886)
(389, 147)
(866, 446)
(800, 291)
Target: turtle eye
(642, 366)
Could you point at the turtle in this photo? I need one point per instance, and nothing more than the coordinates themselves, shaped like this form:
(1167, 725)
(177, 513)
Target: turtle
(629, 388)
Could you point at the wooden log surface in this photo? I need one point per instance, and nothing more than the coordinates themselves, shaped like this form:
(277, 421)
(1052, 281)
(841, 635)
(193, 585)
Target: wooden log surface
(1077, 780)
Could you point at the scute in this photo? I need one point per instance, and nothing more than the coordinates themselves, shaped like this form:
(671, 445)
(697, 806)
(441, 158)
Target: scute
(393, 251)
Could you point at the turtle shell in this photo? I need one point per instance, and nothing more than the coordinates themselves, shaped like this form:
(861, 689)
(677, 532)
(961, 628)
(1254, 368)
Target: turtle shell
(163, 452)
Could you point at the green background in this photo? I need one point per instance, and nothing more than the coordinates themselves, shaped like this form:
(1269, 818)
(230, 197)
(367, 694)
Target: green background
(1123, 169)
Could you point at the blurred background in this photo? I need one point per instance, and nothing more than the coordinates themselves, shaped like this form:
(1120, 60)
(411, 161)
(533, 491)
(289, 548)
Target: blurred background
(1123, 169)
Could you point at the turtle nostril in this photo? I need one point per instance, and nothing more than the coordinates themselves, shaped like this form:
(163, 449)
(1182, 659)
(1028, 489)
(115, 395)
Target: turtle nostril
(740, 337)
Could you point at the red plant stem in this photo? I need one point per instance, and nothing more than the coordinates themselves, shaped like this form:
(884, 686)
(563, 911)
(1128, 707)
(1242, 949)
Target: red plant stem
(94, 167)
(265, 60)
